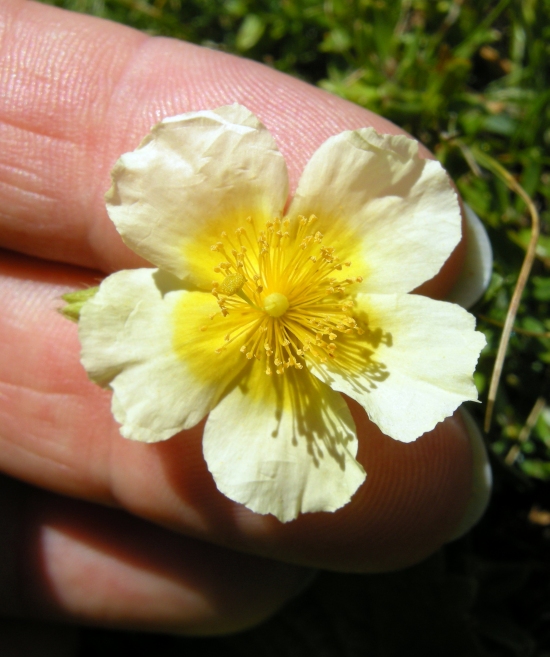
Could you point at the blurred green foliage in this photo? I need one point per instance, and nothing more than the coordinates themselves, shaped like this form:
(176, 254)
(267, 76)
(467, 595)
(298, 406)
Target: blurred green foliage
(463, 76)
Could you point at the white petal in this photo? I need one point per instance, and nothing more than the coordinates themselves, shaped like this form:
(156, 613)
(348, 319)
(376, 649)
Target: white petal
(283, 445)
(193, 177)
(392, 214)
(142, 337)
(478, 264)
(412, 367)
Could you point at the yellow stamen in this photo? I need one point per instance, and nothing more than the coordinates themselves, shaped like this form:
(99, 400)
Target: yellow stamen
(282, 284)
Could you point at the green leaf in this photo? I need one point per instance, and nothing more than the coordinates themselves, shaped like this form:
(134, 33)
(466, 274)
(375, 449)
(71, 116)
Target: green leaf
(75, 301)
(250, 32)
(541, 286)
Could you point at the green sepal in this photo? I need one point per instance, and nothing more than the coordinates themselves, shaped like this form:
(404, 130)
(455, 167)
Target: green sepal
(75, 301)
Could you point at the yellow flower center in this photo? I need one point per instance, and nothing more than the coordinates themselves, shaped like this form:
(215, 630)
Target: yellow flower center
(276, 304)
(281, 282)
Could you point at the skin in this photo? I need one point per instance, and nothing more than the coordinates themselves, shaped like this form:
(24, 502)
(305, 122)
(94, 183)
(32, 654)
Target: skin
(98, 529)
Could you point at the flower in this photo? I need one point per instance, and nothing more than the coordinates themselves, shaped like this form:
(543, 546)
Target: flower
(260, 319)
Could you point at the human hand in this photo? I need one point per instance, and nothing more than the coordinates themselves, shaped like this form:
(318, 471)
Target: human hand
(147, 540)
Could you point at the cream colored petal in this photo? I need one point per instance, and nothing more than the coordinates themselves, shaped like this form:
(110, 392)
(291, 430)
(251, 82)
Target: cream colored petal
(412, 367)
(392, 214)
(283, 445)
(141, 336)
(193, 177)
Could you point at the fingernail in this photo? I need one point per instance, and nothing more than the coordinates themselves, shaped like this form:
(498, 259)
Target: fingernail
(482, 479)
(478, 263)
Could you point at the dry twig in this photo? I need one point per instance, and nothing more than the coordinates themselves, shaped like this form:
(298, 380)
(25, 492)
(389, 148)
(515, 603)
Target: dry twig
(526, 430)
(492, 165)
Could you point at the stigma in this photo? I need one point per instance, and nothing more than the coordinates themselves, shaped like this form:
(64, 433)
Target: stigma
(286, 287)
(276, 304)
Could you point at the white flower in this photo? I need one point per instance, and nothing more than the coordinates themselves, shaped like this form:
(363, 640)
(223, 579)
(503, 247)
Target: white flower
(259, 319)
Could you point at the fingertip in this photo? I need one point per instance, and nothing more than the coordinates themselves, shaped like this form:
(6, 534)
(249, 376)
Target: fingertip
(411, 502)
(100, 97)
(95, 566)
(481, 481)
(415, 493)
(443, 282)
(476, 271)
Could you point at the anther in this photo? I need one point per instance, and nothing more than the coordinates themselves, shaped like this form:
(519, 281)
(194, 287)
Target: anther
(231, 284)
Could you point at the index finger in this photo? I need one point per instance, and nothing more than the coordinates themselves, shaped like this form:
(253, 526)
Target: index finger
(66, 115)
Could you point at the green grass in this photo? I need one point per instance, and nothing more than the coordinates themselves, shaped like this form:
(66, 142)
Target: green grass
(465, 78)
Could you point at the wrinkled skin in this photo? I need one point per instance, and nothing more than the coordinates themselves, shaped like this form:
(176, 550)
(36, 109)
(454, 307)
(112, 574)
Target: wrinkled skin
(99, 529)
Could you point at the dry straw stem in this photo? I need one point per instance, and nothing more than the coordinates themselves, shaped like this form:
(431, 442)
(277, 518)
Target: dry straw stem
(492, 165)
(515, 329)
(526, 430)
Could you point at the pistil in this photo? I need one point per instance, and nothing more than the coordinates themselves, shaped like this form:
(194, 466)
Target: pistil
(276, 304)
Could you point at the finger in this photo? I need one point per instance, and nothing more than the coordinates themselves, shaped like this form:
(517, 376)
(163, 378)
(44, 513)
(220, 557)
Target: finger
(66, 116)
(68, 560)
(58, 432)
